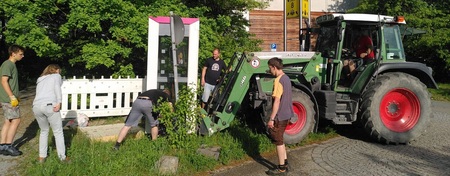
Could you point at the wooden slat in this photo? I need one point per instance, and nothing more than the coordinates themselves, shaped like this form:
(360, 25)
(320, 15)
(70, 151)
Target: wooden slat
(267, 25)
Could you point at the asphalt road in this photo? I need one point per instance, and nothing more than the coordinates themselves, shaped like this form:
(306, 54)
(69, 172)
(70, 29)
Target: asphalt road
(355, 154)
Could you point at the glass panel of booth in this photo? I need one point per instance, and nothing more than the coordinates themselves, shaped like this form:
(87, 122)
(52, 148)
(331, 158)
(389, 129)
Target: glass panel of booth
(165, 62)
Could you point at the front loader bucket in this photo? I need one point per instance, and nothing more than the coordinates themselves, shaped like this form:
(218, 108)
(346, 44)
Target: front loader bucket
(203, 130)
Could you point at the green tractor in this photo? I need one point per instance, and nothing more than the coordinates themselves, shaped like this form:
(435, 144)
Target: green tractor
(387, 95)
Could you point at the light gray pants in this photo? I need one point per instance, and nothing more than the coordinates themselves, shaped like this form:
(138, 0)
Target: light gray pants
(47, 118)
(207, 90)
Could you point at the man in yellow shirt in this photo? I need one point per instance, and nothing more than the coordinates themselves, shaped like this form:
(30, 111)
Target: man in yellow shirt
(281, 113)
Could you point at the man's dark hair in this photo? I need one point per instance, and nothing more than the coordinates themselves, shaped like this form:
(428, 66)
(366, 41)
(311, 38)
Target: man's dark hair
(14, 49)
(167, 91)
(276, 62)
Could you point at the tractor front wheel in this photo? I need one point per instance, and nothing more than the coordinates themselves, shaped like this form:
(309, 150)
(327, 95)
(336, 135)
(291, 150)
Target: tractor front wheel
(303, 123)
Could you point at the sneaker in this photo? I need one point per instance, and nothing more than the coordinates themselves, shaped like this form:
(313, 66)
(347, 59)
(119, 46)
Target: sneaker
(2, 150)
(18, 150)
(288, 167)
(42, 159)
(276, 171)
(12, 151)
(116, 147)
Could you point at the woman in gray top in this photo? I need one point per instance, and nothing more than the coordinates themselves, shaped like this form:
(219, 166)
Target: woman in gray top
(46, 106)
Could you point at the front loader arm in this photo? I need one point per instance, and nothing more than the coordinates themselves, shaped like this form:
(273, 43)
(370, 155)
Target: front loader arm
(228, 97)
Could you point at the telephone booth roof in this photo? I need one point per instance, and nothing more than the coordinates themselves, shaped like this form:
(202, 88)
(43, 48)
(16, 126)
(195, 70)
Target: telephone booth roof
(166, 20)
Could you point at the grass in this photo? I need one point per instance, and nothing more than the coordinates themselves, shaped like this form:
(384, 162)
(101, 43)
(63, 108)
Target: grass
(441, 94)
(138, 156)
(105, 120)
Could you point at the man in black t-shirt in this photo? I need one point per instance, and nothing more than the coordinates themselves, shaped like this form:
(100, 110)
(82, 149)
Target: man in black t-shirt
(143, 105)
(212, 69)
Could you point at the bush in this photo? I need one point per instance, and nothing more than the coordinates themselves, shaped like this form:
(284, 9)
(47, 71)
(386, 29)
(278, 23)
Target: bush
(181, 119)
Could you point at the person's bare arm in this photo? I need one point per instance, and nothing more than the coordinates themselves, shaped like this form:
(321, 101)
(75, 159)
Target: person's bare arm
(14, 102)
(203, 76)
(6, 86)
(275, 107)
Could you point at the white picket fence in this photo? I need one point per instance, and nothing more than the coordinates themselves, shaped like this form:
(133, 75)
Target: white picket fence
(99, 97)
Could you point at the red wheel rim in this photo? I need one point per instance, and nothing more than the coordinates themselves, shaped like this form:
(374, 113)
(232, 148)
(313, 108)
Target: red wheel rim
(400, 110)
(294, 128)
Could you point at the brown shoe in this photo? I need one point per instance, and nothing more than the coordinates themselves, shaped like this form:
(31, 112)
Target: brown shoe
(42, 159)
(66, 160)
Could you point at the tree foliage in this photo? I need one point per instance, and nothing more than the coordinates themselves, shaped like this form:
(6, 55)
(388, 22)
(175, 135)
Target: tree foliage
(109, 37)
(432, 48)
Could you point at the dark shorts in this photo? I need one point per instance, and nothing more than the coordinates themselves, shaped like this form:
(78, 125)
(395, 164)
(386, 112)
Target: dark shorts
(277, 132)
(141, 108)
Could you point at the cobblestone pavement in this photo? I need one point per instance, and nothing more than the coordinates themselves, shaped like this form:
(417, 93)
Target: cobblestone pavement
(429, 155)
(355, 154)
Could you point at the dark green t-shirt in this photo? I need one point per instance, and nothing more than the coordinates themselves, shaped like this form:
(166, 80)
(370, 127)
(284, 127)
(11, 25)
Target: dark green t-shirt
(9, 69)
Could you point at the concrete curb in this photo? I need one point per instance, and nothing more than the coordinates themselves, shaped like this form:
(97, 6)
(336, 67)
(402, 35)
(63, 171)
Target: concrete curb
(107, 133)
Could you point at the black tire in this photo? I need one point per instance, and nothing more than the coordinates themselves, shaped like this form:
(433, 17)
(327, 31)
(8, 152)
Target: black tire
(298, 130)
(396, 108)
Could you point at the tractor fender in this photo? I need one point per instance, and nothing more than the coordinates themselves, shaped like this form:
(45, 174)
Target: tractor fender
(305, 89)
(418, 70)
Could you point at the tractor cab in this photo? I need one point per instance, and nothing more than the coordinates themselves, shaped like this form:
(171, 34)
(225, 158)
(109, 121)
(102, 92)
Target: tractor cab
(355, 45)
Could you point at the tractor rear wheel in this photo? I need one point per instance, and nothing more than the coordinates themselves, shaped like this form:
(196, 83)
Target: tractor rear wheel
(396, 108)
(299, 128)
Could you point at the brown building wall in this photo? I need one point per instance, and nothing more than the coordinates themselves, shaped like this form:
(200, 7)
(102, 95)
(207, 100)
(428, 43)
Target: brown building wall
(268, 26)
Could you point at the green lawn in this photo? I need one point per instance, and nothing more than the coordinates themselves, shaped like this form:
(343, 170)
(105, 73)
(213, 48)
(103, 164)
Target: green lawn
(138, 156)
(441, 94)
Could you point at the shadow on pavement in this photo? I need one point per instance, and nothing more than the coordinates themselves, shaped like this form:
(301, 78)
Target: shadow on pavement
(29, 134)
(250, 145)
(349, 131)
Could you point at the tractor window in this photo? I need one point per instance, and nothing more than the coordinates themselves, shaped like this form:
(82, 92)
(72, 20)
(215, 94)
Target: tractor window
(393, 42)
(327, 41)
(353, 34)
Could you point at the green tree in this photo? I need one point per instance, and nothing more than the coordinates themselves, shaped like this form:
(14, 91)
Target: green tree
(432, 48)
(109, 37)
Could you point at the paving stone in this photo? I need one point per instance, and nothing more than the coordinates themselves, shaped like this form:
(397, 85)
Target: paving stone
(167, 165)
(213, 152)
